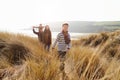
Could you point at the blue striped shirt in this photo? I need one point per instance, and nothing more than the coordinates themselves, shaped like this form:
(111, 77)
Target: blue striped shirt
(60, 41)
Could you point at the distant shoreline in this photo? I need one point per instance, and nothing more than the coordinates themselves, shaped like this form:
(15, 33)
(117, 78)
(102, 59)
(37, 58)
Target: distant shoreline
(74, 35)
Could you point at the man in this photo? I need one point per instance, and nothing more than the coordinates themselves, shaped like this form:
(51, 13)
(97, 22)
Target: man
(63, 40)
(39, 33)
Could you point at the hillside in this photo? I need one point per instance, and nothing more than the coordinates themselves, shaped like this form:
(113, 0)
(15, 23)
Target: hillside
(93, 57)
(87, 26)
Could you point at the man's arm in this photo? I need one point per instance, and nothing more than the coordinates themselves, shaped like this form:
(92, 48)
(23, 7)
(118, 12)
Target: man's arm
(34, 30)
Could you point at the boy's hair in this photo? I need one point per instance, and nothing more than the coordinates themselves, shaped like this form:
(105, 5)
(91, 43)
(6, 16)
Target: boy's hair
(65, 24)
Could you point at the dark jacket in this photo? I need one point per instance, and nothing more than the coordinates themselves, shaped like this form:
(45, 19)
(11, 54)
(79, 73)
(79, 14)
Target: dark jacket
(40, 35)
(47, 37)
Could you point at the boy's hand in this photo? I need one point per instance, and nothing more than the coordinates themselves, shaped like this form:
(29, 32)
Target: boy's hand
(68, 48)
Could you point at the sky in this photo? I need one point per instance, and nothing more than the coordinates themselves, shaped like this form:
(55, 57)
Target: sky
(25, 13)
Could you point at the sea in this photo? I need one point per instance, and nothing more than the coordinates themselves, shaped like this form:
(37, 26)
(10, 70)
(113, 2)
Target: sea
(29, 32)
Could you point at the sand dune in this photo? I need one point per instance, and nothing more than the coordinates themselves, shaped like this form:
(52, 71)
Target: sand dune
(92, 57)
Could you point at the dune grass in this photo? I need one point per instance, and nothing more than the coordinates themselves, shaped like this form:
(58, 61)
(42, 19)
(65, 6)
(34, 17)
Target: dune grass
(94, 57)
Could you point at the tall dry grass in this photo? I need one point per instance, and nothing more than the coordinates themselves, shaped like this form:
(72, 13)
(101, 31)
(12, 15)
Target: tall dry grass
(94, 57)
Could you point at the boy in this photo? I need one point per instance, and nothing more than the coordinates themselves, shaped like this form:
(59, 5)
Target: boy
(63, 40)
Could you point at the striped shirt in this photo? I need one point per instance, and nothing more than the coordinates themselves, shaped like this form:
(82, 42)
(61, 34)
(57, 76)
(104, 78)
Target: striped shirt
(60, 41)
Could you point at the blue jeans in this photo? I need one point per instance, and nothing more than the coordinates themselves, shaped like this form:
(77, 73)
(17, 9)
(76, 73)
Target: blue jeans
(47, 47)
(61, 54)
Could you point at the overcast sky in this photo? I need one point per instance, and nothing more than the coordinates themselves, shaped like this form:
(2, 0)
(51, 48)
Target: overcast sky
(21, 13)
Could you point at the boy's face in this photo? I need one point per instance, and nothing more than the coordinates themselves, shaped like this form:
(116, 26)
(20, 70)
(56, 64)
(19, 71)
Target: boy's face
(65, 28)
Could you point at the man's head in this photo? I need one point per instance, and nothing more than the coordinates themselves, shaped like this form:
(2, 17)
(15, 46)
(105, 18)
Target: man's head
(40, 27)
(65, 27)
(40, 24)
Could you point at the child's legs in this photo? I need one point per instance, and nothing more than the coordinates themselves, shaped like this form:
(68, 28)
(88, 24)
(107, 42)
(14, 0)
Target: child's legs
(61, 55)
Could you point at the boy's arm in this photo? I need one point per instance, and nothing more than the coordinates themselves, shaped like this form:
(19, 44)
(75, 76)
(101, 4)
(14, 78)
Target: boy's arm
(55, 41)
(69, 45)
(50, 37)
